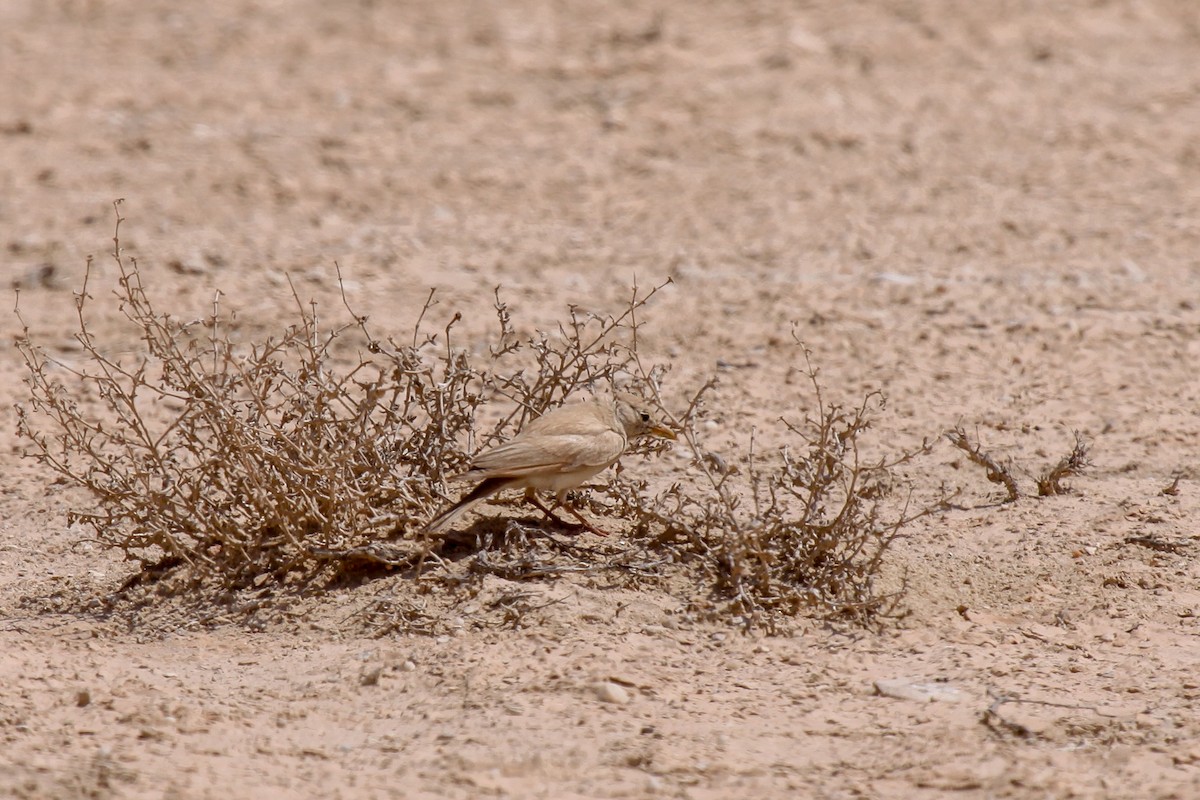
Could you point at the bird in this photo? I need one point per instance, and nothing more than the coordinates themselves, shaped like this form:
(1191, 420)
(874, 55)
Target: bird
(557, 452)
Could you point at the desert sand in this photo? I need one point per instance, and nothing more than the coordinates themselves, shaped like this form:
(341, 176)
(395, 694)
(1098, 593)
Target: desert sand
(988, 211)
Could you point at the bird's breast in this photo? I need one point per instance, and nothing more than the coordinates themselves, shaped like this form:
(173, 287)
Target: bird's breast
(559, 481)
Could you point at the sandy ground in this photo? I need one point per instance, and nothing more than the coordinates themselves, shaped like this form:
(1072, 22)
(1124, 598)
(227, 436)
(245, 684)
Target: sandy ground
(990, 211)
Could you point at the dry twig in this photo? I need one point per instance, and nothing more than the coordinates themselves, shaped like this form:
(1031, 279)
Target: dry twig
(995, 472)
(1072, 464)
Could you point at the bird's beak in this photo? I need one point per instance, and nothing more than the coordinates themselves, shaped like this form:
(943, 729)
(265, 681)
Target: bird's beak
(662, 433)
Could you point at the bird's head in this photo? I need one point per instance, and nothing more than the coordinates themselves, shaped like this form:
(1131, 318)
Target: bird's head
(639, 418)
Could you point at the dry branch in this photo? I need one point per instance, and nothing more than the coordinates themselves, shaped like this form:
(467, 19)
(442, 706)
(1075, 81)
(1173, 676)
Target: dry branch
(1072, 464)
(995, 472)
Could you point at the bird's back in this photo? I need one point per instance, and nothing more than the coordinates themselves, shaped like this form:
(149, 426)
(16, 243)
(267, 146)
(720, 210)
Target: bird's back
(579, 436)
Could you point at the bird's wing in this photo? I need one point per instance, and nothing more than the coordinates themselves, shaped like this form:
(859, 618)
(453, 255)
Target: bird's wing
(587, 417)
(548, 453)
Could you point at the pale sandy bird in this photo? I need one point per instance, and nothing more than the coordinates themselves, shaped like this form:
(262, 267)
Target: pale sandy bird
(557, 452)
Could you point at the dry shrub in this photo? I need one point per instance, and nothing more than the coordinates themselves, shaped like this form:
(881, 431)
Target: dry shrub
(1049, 483)
(272, 462)
(804, 529)
(995, 471)
(246, 460)
(1072, 464)
(235, 460)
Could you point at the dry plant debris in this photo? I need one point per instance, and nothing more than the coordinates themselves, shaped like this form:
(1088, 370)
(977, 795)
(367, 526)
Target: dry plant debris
(805, 529)
(1072, 464)
(1050, 483)
(279, 463)
(996, 473)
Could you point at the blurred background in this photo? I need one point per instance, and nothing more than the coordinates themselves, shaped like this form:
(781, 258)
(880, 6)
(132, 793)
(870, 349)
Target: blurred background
(870, 170)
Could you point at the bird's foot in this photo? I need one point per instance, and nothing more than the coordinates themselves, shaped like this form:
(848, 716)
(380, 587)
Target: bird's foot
(583, 522)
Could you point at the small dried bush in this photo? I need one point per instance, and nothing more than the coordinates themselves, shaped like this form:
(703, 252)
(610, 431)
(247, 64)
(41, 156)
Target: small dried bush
(242, 460)
(1074, 463)
(805, 529)
(1049, 483)
(994, 470)
(268, 462)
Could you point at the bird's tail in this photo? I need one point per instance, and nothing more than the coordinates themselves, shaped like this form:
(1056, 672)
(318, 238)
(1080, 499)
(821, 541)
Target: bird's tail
(486, 488)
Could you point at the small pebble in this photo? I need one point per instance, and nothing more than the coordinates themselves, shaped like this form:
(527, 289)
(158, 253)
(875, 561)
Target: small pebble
(370, 677)
(609, 692)
(918, 691)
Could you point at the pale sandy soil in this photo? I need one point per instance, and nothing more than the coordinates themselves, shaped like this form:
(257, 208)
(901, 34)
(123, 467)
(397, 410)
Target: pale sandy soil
(990, 211)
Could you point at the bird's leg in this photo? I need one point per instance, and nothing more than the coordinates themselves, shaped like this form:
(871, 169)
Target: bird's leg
(561, 500)
(532, 498)
(583, 520)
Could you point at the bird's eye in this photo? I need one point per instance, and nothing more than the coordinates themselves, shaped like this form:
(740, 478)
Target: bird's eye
(645, 417)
